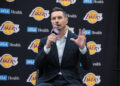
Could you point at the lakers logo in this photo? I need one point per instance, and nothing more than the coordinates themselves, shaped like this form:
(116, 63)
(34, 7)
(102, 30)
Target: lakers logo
(93, 47)
(70, 28)
(56, 31)
(39, 13)
(9, 28)
(34, 45)
(32, 78)
(8, 61)
(92, 17)
(66, 2)
(10, 0)
(91, 79)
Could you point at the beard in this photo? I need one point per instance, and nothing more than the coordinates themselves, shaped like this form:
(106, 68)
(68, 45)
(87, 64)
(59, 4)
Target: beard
(61, 28)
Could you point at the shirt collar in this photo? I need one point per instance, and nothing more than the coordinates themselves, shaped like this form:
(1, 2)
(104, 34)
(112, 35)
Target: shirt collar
(66, 34)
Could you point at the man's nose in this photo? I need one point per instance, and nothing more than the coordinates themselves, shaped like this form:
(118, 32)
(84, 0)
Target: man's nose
(56, 20)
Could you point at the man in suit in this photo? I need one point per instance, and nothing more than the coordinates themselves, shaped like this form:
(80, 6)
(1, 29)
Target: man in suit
(60, 55)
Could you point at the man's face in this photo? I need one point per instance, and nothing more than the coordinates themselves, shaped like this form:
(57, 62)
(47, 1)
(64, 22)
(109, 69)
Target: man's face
(58, 19)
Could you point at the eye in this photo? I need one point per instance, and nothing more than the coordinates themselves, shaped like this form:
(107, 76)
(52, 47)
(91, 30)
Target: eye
(59, 17)
(53, 18)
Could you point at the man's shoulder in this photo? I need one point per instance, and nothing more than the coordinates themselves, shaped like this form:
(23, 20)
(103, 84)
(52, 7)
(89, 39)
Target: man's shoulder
(73, 35)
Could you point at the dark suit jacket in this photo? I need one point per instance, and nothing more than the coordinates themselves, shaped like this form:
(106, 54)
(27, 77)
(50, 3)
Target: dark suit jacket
(48, 64)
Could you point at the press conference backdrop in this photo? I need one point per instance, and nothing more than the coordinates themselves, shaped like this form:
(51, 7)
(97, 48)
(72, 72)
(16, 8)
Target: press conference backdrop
(24, 22)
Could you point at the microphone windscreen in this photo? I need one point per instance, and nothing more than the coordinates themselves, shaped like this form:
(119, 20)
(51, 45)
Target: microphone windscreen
(55, 30)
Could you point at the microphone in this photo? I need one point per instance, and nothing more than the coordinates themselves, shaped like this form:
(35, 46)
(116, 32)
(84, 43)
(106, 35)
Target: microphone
(55, 30)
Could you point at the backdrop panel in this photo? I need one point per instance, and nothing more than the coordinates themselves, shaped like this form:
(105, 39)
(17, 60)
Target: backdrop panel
(24, 22)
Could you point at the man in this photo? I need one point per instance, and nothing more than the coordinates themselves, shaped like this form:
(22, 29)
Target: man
(60, 55)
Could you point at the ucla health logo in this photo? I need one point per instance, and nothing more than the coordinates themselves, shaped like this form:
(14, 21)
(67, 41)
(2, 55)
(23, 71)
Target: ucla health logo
(93, 1)
(8, 61)
(87, 32)
(32, 78)
(66, 2)
(10, 0)
(92, 17)
(3, 77)
(8, 28)
(30, 61)
(9, 11)
(93, 47)
(91, 79)
(39, 13)
(34, 45)
(4, 11)
(88, 1)
(4, 44)
(32, 29)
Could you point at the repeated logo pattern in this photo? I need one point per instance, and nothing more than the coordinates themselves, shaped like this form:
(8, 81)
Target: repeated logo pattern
(37, 18)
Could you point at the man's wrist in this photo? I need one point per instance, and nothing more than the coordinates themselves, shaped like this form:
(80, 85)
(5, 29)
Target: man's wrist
(47, 46)
(46, 49)
(84, 50)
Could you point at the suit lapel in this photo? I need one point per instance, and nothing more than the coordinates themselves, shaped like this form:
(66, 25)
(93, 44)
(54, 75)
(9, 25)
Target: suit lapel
(67, 46)
(55, 52)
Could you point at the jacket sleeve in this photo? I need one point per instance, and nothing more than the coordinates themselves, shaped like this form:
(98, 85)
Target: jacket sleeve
(84, 58)
(40, 60)
(86, 61)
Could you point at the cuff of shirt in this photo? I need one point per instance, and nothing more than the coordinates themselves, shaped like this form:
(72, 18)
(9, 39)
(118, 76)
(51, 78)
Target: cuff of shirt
(47, 50)
(84, 50)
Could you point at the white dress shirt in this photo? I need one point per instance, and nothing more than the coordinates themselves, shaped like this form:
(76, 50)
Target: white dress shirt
(60, 43)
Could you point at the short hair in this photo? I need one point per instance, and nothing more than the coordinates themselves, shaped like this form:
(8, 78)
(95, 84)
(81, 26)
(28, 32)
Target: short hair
(59, 9)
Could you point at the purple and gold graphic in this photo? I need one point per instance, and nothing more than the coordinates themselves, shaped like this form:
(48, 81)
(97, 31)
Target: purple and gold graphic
(55, 30)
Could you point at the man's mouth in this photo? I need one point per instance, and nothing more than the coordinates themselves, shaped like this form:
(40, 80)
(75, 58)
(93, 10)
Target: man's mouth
(58, 25)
